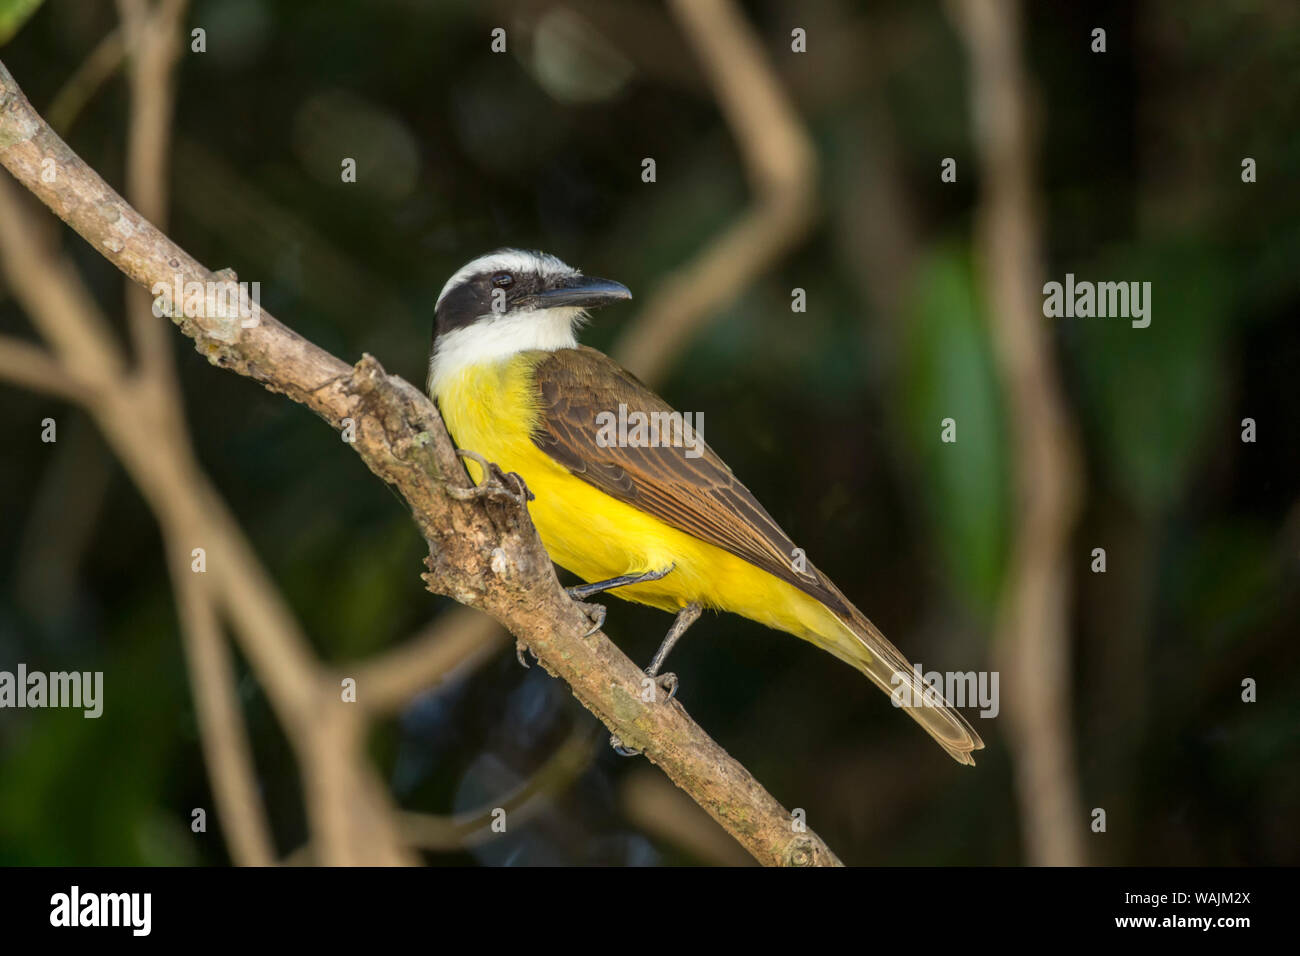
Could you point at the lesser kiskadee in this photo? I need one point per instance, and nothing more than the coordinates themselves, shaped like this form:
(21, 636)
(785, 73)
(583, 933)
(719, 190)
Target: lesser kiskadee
(663, 523)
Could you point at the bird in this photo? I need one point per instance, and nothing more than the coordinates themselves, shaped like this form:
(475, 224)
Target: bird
(653, 519)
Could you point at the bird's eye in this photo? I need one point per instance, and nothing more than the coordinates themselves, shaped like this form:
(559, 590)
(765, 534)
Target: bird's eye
(503, 280)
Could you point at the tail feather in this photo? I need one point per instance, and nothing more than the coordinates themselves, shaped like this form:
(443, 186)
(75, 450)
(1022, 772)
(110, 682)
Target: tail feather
(890, 671)
(872, 653)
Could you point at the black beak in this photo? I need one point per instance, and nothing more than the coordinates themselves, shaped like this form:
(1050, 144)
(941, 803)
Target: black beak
(585, 292)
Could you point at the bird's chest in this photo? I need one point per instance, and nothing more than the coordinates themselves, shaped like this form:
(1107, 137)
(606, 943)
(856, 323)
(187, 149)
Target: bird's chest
(491, 408)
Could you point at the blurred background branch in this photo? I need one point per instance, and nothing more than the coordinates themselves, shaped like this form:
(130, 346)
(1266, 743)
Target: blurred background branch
(1033, 639)
(142, 417)
(781, 167)
(141, 425)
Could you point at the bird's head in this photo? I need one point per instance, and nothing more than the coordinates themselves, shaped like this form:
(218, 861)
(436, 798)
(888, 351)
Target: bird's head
(511, 301)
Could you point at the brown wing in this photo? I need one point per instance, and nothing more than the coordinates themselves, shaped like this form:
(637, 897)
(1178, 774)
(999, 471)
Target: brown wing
(698, 495)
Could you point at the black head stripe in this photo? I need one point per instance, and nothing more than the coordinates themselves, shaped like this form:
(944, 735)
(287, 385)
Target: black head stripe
(464, 304)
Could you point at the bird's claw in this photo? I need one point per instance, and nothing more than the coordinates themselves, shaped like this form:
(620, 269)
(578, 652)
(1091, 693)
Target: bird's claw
(668, 684)
(665, 682)
(621, 749)
(495, 482)
(595, 614)
(520, 649)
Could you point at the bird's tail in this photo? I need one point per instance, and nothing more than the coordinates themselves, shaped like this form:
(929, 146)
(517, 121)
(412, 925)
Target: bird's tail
(869, 651)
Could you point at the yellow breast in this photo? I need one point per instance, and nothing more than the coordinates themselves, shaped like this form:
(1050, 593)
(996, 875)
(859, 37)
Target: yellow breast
(492, 409)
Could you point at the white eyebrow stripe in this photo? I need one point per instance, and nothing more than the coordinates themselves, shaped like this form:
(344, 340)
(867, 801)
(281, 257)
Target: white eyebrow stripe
(507, 260)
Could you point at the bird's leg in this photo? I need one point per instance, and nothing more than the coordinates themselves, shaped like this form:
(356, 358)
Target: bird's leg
(685, 618)
(596, 612)
(667, 682)
(584, 591)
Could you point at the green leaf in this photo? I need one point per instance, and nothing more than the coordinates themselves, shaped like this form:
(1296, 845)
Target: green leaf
(1149, 394)
(949, 373)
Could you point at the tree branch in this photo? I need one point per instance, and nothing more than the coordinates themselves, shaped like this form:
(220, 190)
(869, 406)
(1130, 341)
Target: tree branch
(473, 827)
(152, 32)
(151, 29)
(34, 368)
(483, 549)
(216, 702)
(461, 638)
(149, 439)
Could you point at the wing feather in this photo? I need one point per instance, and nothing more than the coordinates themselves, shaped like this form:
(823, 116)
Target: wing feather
(697, 495)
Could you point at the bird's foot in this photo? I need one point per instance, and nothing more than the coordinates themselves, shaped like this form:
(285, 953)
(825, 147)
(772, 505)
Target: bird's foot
(520, 650)
(621, 749)
(595, 614)
(666, 683)
(495, 482)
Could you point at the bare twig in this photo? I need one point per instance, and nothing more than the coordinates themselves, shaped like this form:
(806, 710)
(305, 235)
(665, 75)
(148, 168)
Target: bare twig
(401, 438)
(145, 411)
(152, 36)
(1033, 645)
(782, 171)
(69, 318)
(225, 739)
(33, 367)
(162, 463)
(659, 809)
(566, 764)
(459, 639)
(151, 29)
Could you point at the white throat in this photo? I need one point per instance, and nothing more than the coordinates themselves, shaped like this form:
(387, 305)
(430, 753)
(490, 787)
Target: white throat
(498, 337)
